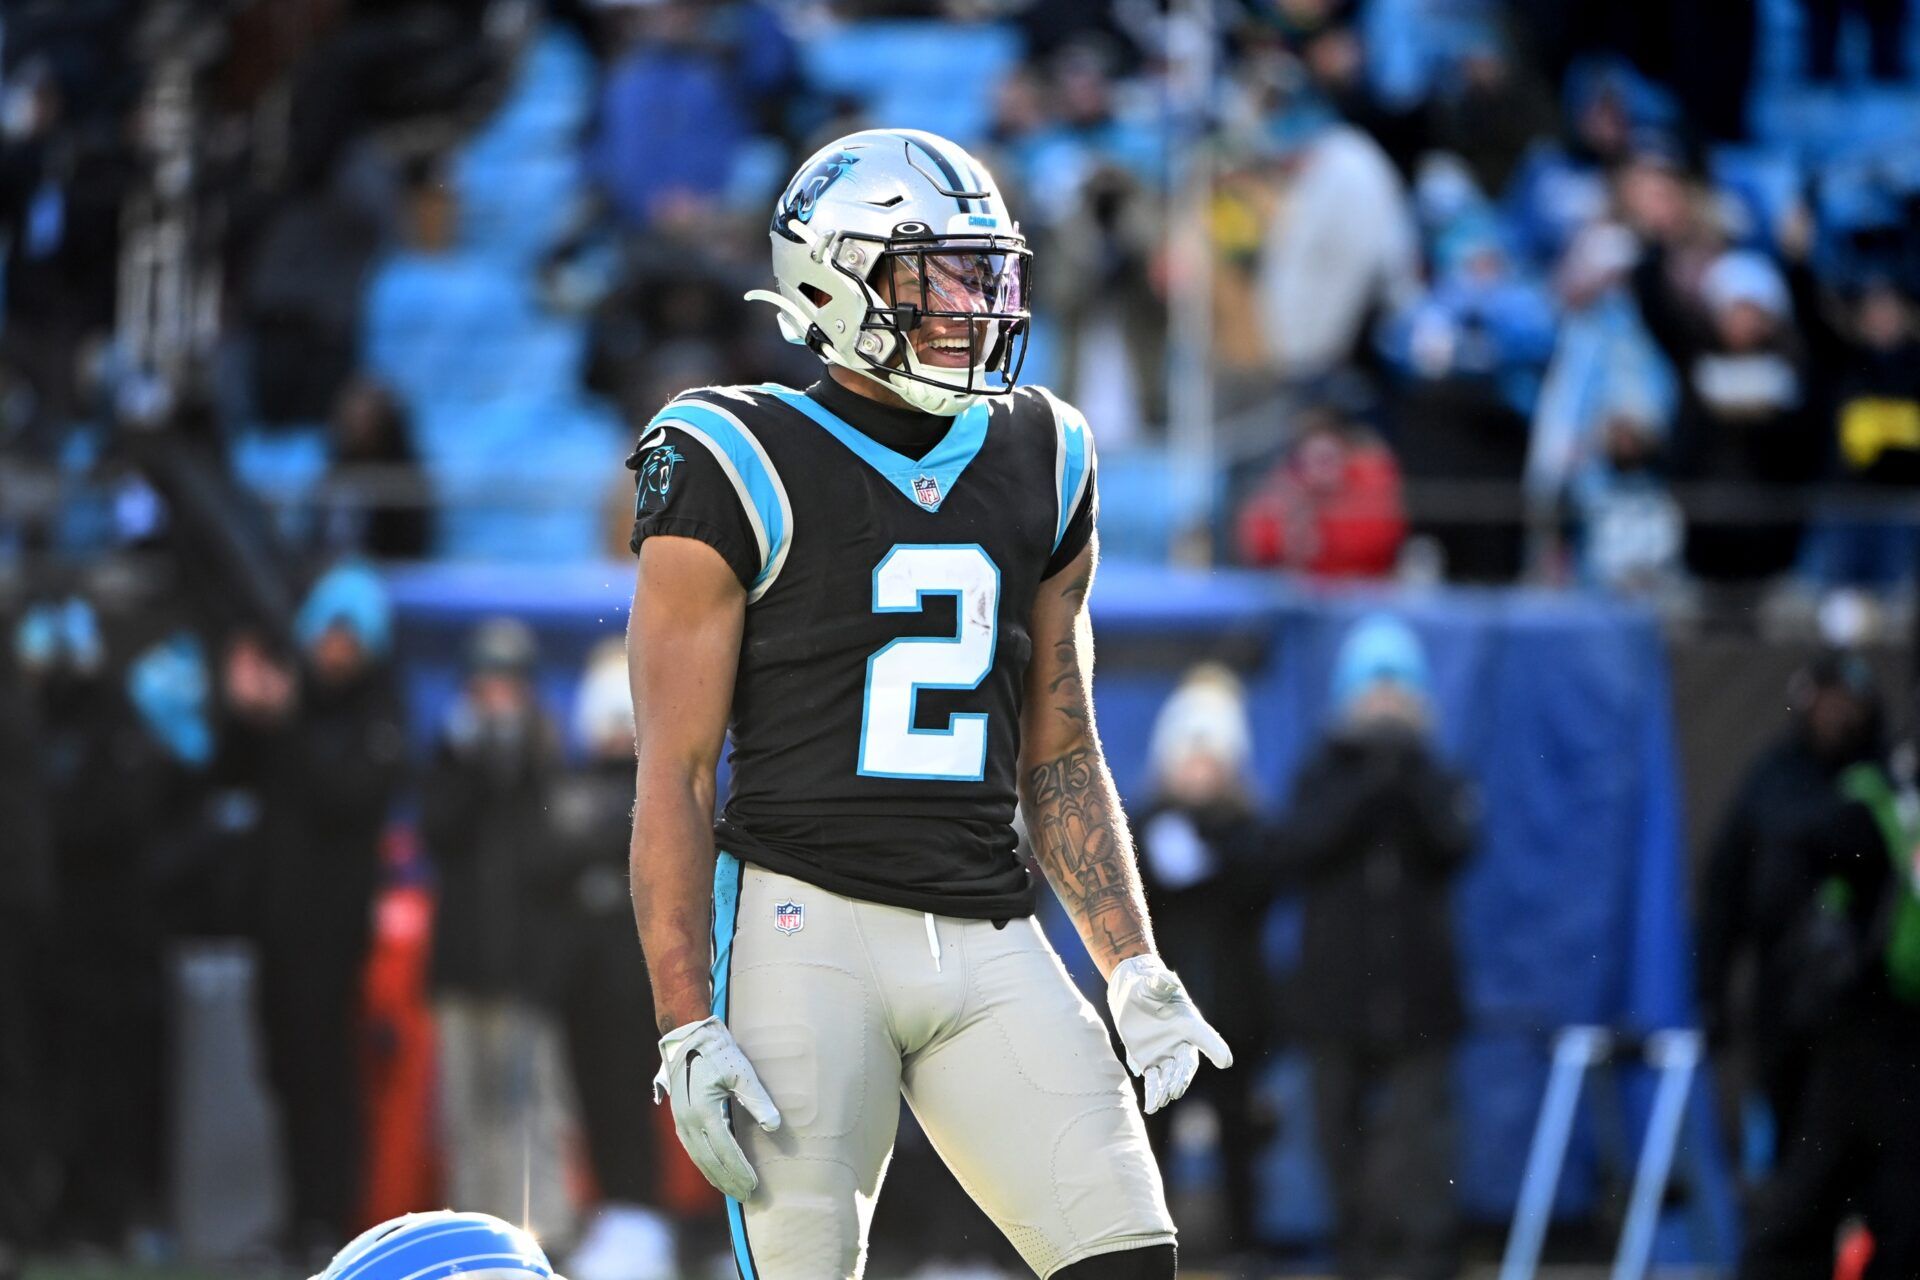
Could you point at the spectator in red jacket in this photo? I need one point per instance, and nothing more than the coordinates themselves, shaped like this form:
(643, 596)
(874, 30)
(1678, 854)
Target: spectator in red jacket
(1331, 508)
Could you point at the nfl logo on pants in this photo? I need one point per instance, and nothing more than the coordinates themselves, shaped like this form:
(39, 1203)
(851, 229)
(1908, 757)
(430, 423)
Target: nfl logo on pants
(789, 917)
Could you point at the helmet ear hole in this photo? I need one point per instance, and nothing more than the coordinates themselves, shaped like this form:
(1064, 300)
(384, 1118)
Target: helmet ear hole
(817, 296)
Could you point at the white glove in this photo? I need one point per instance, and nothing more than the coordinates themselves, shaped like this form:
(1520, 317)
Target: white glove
(1163, 1033)
(700, 1068)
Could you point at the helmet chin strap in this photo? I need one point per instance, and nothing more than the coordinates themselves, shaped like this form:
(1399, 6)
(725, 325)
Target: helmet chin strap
(935, 400)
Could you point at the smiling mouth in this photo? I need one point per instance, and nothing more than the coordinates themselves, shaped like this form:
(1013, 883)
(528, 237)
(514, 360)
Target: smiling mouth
(945, 352)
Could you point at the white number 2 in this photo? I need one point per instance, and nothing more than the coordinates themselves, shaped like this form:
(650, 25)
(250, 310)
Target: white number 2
(890, 745)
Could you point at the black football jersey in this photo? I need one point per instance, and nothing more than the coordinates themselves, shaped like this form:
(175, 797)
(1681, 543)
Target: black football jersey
(891, 561)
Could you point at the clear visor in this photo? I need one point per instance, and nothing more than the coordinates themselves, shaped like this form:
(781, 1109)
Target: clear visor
(983, 283)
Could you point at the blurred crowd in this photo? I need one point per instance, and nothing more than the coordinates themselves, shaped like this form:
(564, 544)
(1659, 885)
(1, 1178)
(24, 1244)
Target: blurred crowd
(1616, 296)
(448, 997)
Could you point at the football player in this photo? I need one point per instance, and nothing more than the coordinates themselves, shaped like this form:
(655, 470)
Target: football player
(879, 585)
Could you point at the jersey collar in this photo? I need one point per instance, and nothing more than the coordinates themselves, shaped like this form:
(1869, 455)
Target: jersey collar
(927, 482)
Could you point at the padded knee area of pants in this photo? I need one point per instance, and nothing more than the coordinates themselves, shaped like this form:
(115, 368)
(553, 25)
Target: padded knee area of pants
(805, 1220)
(1155, 1262)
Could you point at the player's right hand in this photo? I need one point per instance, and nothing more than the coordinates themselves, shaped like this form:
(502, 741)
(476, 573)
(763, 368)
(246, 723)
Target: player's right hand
(700, 1069)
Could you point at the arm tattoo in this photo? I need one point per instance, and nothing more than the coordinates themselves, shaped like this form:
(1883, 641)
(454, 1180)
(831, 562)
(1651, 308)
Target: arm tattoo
(1081, 843)
(1067, 690)
(1074, 820)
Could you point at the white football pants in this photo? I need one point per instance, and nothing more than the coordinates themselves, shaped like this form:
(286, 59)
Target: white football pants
(843, 1006)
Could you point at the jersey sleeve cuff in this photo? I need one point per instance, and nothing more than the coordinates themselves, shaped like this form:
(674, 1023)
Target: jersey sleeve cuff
(681, 527)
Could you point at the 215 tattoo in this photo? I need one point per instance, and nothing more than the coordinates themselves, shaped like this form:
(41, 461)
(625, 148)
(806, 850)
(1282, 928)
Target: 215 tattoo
(1076, 830)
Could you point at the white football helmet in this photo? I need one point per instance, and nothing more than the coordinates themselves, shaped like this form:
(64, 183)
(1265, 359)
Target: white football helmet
(887, 230)
(429, 1246)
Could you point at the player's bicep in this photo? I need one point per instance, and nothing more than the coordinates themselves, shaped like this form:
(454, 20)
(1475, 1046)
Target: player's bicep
(683, 647)
(1057, 706)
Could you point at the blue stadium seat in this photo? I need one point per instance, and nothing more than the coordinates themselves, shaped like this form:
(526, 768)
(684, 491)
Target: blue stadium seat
(938, 76)
(514, 208)
(524, 479)
(461, 328)
(1146, 501)
(518, 177)
(1818, 124)
(284, 462)
(284, 466)
(551, 97)
(1766, 181)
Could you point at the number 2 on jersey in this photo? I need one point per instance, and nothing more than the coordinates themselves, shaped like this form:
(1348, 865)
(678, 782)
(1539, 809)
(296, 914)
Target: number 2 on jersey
(890, 745)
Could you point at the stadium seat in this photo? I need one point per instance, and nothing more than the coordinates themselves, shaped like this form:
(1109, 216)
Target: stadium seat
(519, 175)
(284, 466)
(1765, 180)
(1146, 501)
(939, 76)
(460, 328)
(524, 478)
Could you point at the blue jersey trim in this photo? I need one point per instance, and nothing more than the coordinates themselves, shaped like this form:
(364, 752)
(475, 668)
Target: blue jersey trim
(1074, 439)
(727, 875)
(726, 914)
(944, 463)
(1073, 462)
(746, 464)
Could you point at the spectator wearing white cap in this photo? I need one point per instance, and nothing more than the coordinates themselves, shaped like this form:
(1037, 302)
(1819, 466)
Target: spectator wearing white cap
(1202, 855)
(1744, 414)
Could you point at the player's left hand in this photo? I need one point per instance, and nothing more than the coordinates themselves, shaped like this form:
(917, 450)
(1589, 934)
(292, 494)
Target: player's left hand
(1162, 1030)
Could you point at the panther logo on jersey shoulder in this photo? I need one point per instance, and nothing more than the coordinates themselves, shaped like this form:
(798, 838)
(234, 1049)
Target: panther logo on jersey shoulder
(656, 479)
(927, 490)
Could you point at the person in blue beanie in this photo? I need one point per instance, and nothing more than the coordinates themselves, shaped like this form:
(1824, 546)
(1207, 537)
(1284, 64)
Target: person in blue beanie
(1375, 833)
(317, 740)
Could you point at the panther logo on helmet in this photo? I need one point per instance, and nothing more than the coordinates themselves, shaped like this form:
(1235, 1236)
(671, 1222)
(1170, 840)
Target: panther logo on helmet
(805, 192)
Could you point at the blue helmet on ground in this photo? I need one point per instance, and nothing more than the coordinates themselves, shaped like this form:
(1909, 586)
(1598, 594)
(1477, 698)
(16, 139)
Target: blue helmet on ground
(430, 1246)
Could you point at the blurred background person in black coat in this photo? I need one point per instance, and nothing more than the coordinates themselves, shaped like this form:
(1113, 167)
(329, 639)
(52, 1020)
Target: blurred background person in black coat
(1744, 923)
(26, 912)
(333, 738)
(1203, 858)
(485, 817)
(1847, 885)
(1375, 833)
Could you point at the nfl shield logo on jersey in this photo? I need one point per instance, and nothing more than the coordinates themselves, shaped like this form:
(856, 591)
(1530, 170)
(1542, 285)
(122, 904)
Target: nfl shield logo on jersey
(789, 917)
(927, 489)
